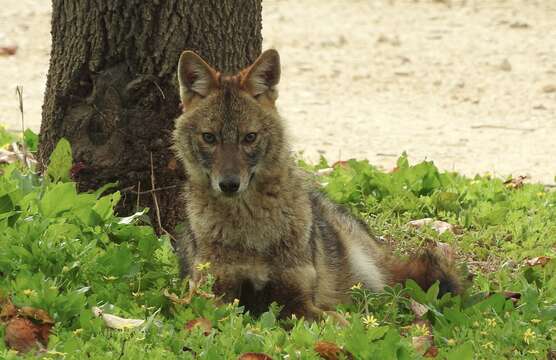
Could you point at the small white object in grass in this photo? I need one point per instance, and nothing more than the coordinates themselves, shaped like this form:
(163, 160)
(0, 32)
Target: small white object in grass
(116, 322)
(324, 172)
(440, 226)
(130, 219)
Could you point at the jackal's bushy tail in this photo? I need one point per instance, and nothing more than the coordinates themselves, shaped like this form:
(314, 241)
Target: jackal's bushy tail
(425, 269)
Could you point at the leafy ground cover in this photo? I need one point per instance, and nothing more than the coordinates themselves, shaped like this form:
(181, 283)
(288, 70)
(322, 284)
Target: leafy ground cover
(64, 254)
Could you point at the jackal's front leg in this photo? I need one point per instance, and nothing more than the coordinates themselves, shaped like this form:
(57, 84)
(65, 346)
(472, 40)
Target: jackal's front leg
(226, 288)
(296, 290)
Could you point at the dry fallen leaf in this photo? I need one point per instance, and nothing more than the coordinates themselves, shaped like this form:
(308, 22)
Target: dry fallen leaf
(539, 260)
(8, 50)
(8, 311)
(116, 322)
(513, 296)
(422, 344)
(176, 299)
(418, 309)
(36, 314)
(7, 157)
(340, 163)
(21, 334)
(254, 356)
(549, 88)
(330, 351)
(510, 295)
(202, 323)
(432, 352)
(16, 153)
(194, 290)
(27, 326)
(43, 332)
(515, 183)
(439, 226)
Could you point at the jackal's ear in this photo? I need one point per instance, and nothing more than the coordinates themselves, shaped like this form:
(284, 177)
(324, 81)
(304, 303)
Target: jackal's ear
(263, 75)
(195, 76)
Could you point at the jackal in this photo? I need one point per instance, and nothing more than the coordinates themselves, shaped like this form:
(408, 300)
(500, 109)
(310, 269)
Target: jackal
(267, 231)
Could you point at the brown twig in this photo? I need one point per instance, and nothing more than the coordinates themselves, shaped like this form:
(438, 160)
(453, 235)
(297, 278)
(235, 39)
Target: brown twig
(130, 190)
(155, 202)
(19, 93)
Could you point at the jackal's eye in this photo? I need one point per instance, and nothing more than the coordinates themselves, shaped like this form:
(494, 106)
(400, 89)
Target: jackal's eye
(249, 138)
(209, 138)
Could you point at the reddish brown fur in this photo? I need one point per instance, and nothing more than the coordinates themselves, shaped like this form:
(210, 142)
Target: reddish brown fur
(425, 270)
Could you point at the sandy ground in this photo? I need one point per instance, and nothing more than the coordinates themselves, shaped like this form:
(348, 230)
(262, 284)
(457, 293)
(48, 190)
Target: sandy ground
(468, 84)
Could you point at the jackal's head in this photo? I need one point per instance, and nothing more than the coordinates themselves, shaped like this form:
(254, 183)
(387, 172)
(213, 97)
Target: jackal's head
(230, 130)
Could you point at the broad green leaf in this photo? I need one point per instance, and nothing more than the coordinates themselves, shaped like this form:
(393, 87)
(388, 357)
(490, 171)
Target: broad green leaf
(432, 292)
(118, 261)
(104, 206)
(267, 320)
(6, 204)
(58, 198)
(60, 162)
(446, 200)
(462, 352)
(98, 193)
(31, 140)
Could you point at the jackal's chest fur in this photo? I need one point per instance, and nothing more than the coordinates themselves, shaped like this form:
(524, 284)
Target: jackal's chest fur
(251, 226)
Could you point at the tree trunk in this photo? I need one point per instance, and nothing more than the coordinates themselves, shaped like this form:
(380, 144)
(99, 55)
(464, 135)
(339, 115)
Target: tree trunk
(112, 88)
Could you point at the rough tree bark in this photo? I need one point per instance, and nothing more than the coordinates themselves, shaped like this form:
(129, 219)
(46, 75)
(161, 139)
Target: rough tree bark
(112, 88)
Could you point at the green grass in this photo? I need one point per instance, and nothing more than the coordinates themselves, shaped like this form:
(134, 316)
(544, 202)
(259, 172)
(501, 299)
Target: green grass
(67, 252)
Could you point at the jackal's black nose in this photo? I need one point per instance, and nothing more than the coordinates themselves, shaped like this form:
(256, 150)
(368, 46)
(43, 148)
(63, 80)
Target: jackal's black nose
(229, 185)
